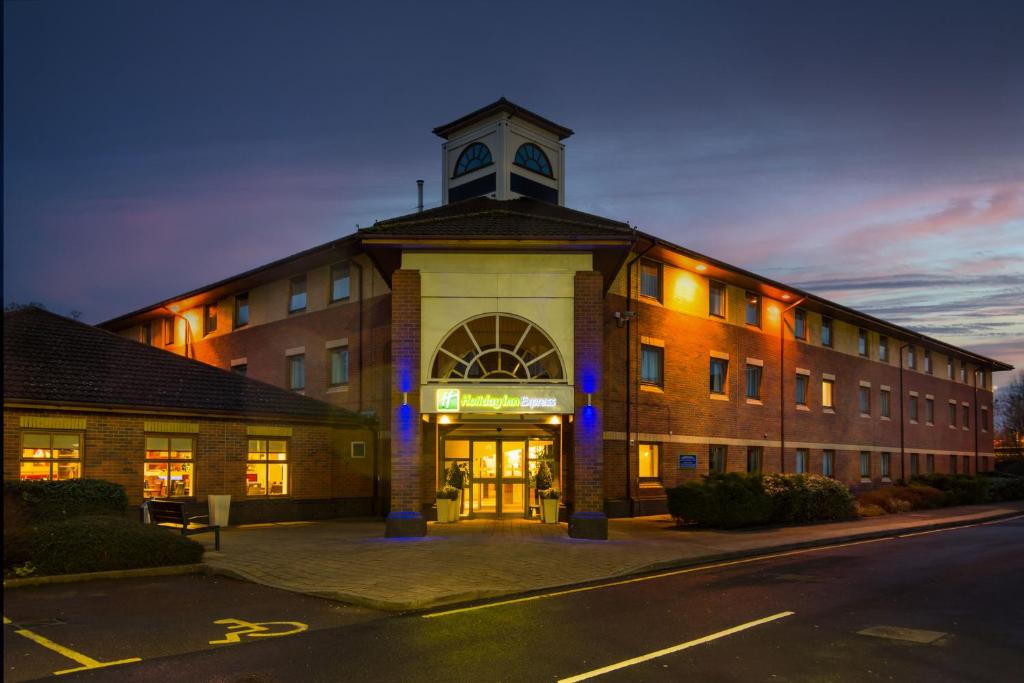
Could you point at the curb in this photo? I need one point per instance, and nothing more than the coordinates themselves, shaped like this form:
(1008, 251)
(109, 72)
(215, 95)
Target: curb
(173, 570)
(469, 598)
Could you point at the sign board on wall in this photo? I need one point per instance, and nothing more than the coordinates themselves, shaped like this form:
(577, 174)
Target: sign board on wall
(494, 399)
(687, 461)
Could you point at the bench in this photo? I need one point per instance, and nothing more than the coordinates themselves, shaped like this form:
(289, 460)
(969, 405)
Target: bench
(169, 512)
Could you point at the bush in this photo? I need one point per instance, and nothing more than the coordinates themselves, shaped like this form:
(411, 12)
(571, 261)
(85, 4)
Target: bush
(46, 501)
(447, 493)
(96, 543)
(457, 475)
(960, 489)
(725, 501)
(903, 498)
(1005, 488)
(808, 498)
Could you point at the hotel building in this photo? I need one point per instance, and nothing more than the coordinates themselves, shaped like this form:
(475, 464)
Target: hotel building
(503, 329)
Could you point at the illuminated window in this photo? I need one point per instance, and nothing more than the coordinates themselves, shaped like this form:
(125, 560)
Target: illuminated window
(801, 389)
(652, 362)
(169, 330)
(754, 381)
(828, 387)
(650, 280)
(716, 299)
(754, 455)
(886, 465)
(497, 347)
(168, 471)
(533, 157)
(339, 365)
(753, 309)
(883, 403)
(339, 282)
(266, 472)
(717, 458)
(297, 294)
(473, 157)
(800, 324)
(865, 464)
(801, 460)
(719, 372)
(883, 349)
(50, 456)
(828, 463)
(241, 309)
(209, 319)
(826, 331)
(862, 342)
(297, 372)
(864, 398)
(650, 461)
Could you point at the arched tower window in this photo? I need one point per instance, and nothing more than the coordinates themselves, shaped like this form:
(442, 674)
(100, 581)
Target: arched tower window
(497, 347)
(473, 157)
(533, 157)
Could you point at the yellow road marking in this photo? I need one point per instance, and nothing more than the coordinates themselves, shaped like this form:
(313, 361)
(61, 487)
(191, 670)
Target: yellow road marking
(688, 570)
(239, 628)
(1004, 519)
(652, 577)
(675, 648)
(85, 661)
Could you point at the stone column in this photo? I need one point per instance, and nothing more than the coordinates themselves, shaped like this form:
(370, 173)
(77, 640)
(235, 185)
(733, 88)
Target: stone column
(406, 516)
(588, 519)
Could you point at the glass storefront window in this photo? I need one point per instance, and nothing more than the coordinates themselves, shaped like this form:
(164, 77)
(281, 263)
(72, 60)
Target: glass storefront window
(168, 471)
(46, 456)
(266, 472)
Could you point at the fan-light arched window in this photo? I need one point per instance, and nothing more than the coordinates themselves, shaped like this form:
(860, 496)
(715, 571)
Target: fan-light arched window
(497, 347)
(473, 157)
(533, 157)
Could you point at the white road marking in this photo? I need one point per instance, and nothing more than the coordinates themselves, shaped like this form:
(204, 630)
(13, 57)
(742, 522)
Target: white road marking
(675, 648)
(914, 635)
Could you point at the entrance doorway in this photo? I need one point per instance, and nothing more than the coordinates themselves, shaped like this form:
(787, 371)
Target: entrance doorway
(501, 472)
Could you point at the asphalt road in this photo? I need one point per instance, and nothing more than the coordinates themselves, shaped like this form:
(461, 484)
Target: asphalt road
(937, 606)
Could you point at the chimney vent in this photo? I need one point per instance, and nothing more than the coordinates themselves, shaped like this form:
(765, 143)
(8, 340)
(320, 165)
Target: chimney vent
(419, 195)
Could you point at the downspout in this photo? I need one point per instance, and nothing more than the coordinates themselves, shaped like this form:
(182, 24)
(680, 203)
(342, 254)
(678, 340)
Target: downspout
(360, 349)
(903, 455)
(782, 383)
(977, 454)
(629, 366)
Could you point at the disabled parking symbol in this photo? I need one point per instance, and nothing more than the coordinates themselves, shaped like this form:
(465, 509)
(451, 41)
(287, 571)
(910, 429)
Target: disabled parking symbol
(237, 628)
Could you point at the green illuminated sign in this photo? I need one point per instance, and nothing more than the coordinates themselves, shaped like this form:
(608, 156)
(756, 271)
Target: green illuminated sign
(498, 399)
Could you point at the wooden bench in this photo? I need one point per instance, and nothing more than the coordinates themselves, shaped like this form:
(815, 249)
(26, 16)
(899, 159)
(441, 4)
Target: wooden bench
(172, 513)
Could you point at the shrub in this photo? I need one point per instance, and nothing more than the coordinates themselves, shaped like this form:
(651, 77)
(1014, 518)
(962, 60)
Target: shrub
(96, 543)
(903, 498)
(550, 494)
(808, 498)
(1005, 488)
(726, 501)
(448, 492)
(960, 489)
(44, 501)
(458, 475)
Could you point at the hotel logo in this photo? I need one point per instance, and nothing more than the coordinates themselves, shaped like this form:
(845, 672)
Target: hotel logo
(447, 400)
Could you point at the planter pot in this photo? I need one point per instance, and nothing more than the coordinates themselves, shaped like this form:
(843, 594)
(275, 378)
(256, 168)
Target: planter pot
(549, 510)
(220, 508)
(456, 508)
(444, 510)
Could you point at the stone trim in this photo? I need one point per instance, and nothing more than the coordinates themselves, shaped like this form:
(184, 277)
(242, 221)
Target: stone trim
(267, 430)
(170, 427)
(39, 422)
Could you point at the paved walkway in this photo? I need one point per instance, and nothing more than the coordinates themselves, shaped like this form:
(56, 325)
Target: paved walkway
(351, 561)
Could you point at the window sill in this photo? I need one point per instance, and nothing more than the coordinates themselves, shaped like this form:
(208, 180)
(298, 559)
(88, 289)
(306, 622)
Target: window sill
(647, 298)
(651, 484)
(653, 388)
(952, 426)
(337, 389)
(339, 301)
(800, 406)
(719, 397)
(887, 480)
(865, 480)
(967, 429)
(297, 311)
(867, 415)
(300, 392)
(884, 417)
(716, 316)
(913, 422)
(929, 424)
(830, 411)
(755, 402)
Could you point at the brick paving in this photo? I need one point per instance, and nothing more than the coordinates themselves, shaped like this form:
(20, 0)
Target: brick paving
(351, 561)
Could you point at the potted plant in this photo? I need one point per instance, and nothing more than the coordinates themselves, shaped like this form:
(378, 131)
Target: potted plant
(549, 506)
(458, 478)
(542, 481)
(447, 509)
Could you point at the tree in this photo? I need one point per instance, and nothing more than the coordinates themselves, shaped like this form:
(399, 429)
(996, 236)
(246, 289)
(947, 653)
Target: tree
(1010, 410)
(17, 306)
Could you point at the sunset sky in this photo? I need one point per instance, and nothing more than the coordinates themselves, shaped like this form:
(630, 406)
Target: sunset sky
(872, 153)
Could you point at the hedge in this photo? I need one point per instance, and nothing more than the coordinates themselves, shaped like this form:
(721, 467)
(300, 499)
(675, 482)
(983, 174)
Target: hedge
(43, 501)
(734, 500)
(960, 489)
(93, 544)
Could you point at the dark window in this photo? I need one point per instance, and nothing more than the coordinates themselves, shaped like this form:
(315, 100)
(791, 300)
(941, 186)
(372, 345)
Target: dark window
(883, 404)
(963, 371)
(865, 400)
(716, 299)
(967, 416)
(297, 372)
(911, 357)
(652, 360)
(915, 464)
(928, 361)
(801, 389)
(828, 463)
(339, 282)
(719, 368)
(240, 369)
(865, 464)
(209, 319)
(984, 419)
(862, 342)
(297, 294)
(929, 410)
(952, 464)
(886, 462)
(930, 463)
(169, 330)
(473, 157)
(533, 157)
(949, 368)
(717, 458)
(650, 280)
(146, 333)
(242, 310)
(754, 458)
(801, 460)
(952, 415)
(800, 324)
(883, 349)
(754, 381)
(826, 331)
(912, 408)
(339, 365)
(753, 315)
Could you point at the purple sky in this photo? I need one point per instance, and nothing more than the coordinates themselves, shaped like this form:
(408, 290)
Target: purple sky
(870, 152)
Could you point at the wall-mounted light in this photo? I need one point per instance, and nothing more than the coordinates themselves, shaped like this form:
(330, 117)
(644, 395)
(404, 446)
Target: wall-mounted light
(589, 397)
(444, 420)
(554, 420)
(405, 398)
(700, 268)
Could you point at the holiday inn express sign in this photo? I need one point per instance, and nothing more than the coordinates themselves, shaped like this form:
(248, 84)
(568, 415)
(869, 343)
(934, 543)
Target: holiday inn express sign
(496, 398)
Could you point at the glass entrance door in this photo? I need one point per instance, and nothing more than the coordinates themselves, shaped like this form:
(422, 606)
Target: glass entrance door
(513, 478)
(499, 477)
(485, 477)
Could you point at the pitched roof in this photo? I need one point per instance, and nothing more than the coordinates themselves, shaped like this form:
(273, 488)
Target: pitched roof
(492, 218)
(55, 360)
(502, 105)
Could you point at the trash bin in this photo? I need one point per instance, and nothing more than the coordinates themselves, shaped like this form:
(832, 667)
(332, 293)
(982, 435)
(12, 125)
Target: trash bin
(220, 508)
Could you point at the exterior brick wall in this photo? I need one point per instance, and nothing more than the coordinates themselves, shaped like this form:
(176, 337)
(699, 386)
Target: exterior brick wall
(406, 430)
(588, 445)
